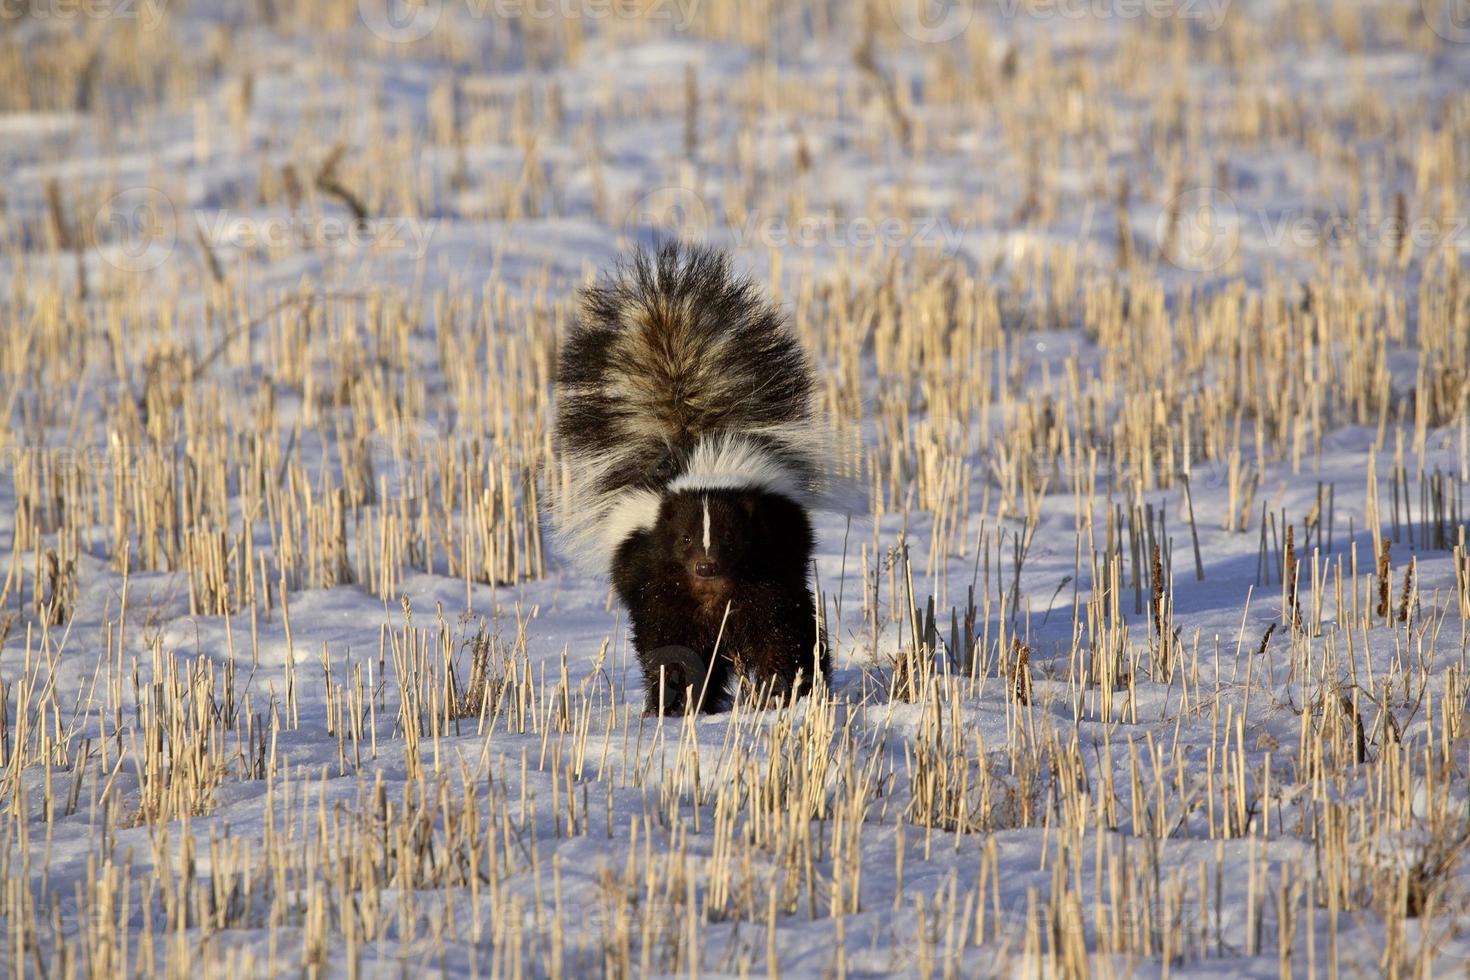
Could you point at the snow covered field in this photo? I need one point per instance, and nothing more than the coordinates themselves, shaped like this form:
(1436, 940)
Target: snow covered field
(1142, 322)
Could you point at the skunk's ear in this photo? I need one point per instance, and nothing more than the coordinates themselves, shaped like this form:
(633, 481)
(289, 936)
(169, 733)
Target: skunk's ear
(748, 504)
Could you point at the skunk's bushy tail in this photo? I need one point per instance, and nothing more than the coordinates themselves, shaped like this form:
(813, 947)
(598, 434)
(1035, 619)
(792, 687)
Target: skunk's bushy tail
(677, 373)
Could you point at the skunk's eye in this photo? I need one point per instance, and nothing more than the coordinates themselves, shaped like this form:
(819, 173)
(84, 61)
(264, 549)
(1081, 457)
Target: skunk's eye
(688, 540)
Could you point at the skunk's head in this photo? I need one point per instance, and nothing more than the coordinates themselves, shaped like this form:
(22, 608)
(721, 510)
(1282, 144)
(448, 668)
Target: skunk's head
(718, 538)
(709, 535)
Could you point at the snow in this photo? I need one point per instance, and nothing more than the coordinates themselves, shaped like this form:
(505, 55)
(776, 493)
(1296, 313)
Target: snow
(319, 85)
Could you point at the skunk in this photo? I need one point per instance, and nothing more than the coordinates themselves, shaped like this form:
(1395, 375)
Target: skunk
(689, 456)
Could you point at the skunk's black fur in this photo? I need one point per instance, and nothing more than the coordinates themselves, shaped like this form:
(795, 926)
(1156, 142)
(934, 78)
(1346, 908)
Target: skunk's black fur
(689, 454)
(679, 576)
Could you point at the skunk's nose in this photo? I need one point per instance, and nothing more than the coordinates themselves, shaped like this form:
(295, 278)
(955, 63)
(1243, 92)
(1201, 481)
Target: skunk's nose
(706, 568)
